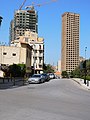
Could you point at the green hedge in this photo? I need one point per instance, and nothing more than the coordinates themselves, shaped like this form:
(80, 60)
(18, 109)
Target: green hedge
(87, 77)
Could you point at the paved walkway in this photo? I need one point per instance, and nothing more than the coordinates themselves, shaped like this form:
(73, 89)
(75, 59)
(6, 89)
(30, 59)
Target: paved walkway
(8, 83)
(81, 82)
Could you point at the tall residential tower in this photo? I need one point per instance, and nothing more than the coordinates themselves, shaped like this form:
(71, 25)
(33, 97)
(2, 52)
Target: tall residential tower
(70, 41)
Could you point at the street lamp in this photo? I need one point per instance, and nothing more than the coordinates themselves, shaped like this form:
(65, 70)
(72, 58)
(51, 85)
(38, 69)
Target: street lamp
(0, 20)
(85, 65)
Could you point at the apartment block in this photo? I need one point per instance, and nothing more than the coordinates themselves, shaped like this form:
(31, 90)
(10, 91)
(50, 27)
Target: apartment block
(70, 41)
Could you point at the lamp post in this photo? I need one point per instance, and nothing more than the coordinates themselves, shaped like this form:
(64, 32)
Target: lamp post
(85, 66)
(0, 20)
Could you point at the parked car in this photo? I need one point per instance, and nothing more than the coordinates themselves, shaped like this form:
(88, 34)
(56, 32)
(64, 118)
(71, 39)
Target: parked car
(36, 78)
(51, 75)
(46, 76)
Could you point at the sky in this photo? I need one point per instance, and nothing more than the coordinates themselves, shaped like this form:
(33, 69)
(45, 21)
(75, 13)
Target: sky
(50, 24)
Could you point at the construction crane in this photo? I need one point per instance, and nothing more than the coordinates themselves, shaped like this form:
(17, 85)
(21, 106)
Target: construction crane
(38, 5)
(22, 5)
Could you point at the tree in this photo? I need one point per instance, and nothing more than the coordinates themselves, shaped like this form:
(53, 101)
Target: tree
(15, 70)
(64, 74)
(23, 69)
(80, 70)
(88, 68)
(48, 68)
(76, 73)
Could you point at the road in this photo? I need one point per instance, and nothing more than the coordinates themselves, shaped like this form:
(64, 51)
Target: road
(61, 99)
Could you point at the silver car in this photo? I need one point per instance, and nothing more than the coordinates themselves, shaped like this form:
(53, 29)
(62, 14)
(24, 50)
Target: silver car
(36, 78)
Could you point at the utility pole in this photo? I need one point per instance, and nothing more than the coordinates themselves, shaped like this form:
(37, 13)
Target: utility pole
(85, 66)
(0, 20)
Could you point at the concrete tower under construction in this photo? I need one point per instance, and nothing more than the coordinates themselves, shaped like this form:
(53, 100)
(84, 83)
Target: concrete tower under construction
(70, 41)
(24, 20)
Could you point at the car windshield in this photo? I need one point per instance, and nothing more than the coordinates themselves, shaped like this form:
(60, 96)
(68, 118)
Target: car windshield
(36, 75)
(44, 74)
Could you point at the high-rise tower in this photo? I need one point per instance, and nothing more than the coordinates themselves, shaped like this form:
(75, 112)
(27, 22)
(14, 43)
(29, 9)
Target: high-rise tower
(70, 41)
(24, 20)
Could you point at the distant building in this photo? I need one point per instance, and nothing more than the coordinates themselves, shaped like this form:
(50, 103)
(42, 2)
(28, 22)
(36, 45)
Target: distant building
(59, 65)
(70, 41)
(24, 20)
(16, 55)
(81, 59)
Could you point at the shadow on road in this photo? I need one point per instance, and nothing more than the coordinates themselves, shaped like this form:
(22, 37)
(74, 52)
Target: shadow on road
(11, 83)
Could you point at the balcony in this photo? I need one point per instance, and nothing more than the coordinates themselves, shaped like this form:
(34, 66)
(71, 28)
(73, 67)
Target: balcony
(40, 55)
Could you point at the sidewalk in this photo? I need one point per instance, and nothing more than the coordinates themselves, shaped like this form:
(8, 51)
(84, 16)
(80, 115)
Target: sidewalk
(81, 82)
(8, 83)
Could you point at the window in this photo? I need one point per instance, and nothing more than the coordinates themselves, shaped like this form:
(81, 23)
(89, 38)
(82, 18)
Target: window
(40, 60)
(26, 39)
(40, 47)
(4, 53)
(14, 54)
(40, 66)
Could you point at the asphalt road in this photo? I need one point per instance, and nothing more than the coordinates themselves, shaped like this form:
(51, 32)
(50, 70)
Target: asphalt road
(54, 100)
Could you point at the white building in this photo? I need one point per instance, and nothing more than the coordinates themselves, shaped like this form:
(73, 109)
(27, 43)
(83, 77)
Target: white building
(59, 65)
(37, 44)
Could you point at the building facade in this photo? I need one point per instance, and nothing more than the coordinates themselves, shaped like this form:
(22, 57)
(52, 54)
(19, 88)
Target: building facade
(16, 55)
(24, 20)
(70, 41)
(37, 44)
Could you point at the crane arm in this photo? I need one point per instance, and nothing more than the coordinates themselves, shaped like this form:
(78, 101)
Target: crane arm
(22, 5)
(46, 3)
(32, 6)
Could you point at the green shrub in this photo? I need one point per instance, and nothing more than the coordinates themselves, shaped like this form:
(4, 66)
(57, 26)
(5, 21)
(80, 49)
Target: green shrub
(88, 77)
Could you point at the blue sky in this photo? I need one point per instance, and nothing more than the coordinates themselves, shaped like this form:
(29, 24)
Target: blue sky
(49, 23)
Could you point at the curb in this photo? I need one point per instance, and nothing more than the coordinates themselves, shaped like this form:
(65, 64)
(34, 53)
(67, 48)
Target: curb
(83, 85)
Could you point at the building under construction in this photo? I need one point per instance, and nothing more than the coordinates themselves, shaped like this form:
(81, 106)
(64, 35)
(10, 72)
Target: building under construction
(24, 20)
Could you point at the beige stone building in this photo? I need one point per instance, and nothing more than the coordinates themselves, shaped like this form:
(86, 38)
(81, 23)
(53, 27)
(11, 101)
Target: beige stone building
(70, 41)
(16, 55)
(37, 43)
